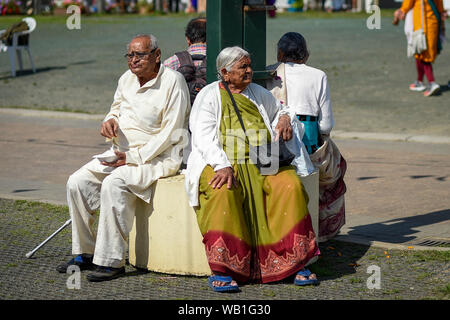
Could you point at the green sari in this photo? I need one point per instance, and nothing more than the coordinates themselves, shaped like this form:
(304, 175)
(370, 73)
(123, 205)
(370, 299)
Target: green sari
(260, 231)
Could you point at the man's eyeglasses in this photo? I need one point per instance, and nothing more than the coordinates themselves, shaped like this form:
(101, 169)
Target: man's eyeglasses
(139, 55)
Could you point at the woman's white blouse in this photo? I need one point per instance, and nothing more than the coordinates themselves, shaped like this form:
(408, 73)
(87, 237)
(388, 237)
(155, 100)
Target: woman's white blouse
(308, 93)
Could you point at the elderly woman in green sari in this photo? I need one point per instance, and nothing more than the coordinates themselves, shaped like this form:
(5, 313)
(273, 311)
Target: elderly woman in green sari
(256, 228)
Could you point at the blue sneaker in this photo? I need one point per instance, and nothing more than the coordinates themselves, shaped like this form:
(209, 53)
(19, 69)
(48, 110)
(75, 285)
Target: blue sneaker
(83, 261)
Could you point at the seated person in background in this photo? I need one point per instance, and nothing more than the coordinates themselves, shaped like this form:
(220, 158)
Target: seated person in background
(256, 228)
(151, 103)
(196, 40)
(192, 62)
(305, 89)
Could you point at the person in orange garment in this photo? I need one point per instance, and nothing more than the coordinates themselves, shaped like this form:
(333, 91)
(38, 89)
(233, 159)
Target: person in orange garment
(434, 15)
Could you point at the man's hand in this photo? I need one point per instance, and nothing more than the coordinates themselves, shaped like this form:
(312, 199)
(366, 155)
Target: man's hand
(121, 160)
(283, 128)
(109, 128)
(223, 176)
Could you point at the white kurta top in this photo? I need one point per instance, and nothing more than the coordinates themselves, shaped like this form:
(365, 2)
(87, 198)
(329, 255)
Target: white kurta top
(204, 123)
(304, 89)
(150, 119)
(308, 93)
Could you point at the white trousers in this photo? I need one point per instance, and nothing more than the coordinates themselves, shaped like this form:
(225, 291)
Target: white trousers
(86, 192)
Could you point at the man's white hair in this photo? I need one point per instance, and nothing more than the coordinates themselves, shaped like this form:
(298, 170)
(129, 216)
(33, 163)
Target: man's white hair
(228, 57)
(152, 38)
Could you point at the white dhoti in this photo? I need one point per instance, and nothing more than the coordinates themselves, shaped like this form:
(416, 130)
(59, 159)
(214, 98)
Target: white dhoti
(112, 190)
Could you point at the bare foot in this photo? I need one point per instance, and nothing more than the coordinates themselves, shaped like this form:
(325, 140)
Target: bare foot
(302, 278)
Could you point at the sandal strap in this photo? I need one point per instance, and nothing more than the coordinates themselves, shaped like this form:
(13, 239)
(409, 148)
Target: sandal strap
(304, 272)
(226, 279)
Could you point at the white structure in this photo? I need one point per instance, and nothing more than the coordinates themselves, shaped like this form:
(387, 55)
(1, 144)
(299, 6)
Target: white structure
(282, 5)
(166, 237)
(15, 50)
(447, 5)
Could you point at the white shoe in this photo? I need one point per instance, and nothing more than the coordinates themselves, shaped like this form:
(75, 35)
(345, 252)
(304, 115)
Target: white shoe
(434, 88)
(417, 86)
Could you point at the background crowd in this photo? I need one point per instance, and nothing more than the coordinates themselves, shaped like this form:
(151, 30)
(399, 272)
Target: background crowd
(14, 7)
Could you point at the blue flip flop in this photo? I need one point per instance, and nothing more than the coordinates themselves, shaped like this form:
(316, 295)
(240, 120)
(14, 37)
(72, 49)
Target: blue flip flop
(305, 273)
(225, 279)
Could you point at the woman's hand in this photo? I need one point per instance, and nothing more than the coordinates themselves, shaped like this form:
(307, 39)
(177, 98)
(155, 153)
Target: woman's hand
(284, 128)
(223, 176)
(399, 14)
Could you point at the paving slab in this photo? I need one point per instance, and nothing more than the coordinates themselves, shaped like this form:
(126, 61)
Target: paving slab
(398, 192)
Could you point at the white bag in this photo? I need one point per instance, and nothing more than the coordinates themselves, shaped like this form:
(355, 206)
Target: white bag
(302, 162)
(418, 39)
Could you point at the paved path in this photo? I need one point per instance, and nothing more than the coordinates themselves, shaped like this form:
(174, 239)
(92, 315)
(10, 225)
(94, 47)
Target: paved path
(344, 269)
(397, 191)
(368, 70)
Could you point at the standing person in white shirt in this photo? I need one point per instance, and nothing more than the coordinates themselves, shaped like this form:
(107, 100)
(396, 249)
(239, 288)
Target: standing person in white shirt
(305, 89)
(150, 106)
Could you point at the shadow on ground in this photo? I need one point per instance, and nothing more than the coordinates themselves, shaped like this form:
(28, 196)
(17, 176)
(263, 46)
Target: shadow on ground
(399, 230)
(444, 88)
(28, 72)
(337, 259)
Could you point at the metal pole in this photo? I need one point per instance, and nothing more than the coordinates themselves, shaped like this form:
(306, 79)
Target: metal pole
(30, 254)
(99, 6)
(35, 6)
(224, 29)
(237, 23)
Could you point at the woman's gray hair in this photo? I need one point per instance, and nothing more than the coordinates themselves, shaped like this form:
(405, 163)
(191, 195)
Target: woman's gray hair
(228, 57)
(150, 37)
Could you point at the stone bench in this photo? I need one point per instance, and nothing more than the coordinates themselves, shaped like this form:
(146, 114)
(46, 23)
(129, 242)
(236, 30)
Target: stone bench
(166, 237)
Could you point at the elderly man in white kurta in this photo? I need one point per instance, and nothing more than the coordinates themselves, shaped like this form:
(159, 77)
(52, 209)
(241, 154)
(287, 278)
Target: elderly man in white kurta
(149, 111)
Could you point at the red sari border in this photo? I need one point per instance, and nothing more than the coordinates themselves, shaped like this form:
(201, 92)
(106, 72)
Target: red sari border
(232, 256)
(290, 254)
